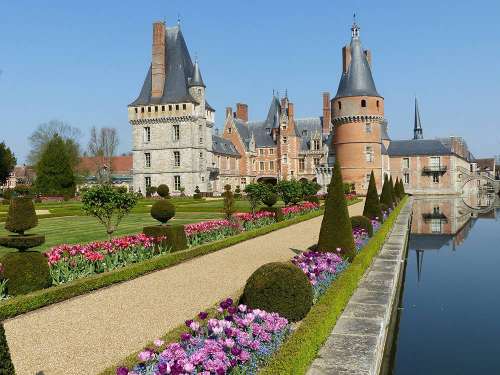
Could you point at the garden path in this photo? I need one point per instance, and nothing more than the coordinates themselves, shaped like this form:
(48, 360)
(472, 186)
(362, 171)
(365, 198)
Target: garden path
(89, 333)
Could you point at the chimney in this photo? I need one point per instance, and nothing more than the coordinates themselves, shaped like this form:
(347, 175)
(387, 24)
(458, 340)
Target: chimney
(158, 60)
(346, 58)
(229, 112)
(290, 113)
(368, 55)
(327, 114)
(242, 111)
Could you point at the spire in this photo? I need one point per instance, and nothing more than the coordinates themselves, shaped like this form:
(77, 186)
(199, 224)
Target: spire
(357, 79)
(417, 127)
(196, 79)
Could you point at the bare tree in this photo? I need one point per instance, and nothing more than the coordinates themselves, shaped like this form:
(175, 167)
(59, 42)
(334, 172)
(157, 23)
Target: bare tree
(46, 131)
(102, 146)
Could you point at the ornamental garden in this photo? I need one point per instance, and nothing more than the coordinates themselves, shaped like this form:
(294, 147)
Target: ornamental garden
(280, 307)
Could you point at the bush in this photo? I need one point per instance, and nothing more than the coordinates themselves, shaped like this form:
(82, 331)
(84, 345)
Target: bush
(362, 222)
(290, 191)
(279, 287)
(312, 199)
(229, 207)
(26, 272)
(268, 196)
(150, 190)
(254, 195)
(163, 191)
(21, 215)
(395, 198)
(197, 193)
(372, 208)
(309, 188)
(336, 229)
(22, 242)
(6, 366)
(163, 210)
(384, 207)
(175, 235)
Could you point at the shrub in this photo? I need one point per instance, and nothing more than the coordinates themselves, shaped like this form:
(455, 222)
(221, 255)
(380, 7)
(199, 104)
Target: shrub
(362, 222)
(254, 195)
(309, 188)
(163, 191)
(197, 193)
(229, 207)
(163, 210)
(26, 272)
(279, 287)
(290, 191)
(372, 208)
(6, 366)
(347, 187)
(268, 195)
(386, 195)
(22, 190)
(312, 199)
(22, 242)
(402, 189)
(21, 215)
(175, 235)
(336, 230)
(150, 190)
(395, 198)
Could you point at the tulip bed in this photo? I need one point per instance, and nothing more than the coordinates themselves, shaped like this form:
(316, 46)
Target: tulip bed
(236, 340)
(253, 221)
(298, 209)
(208, 231)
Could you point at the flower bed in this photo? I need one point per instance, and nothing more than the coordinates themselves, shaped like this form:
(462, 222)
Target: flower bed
(299, 209)
(212, 230)
(253, 221)
(70, 262)
(237, 341)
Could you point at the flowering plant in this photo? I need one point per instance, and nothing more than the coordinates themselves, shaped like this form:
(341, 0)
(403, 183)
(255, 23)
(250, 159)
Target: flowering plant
(253, 221)
(236, 340)
(70, 262)
(212, 230)
(299, 209)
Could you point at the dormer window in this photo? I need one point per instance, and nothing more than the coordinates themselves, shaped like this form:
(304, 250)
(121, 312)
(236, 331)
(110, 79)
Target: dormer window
(183, 106)
(136, 110)
(156, 108)
(177, 107)
(363, 103)
(316, 145)
(304, 133)
(229, 130)
(149, 109)
(163, 108)
(142, 109)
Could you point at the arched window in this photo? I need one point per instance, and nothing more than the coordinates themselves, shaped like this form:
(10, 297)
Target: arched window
(363, 103)
(340, 105)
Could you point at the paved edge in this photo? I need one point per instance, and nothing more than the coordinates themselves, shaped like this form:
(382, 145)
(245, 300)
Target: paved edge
(356, 344)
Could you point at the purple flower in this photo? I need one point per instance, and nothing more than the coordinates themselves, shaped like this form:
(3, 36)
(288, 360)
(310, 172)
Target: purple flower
(203, 315)
(122, 371)
(146, 355)
(185, 336)
(188, 322)
(235, 351)
(232, 310)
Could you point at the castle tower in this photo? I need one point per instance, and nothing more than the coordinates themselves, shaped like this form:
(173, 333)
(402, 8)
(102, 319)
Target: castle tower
(171, 119)
(358, 117)
(417, 126)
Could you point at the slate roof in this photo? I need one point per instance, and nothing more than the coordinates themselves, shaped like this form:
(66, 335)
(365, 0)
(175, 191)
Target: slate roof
(429, 241)
(179, 70)
(119, 164)
(308, 127)
(358, 81)
(223, 146)
(417, 147)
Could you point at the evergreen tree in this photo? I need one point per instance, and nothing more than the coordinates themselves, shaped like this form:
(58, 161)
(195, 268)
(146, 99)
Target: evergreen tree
(395, 199)
(6, 366)
(336, 229)
(372, 208)
(402, 189)
(54, 172)
(7, 162)
(386, 195)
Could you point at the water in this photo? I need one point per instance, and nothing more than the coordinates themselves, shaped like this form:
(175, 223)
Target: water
(449, 316)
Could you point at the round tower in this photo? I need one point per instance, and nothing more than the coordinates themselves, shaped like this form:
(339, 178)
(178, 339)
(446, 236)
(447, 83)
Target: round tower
(358, 118)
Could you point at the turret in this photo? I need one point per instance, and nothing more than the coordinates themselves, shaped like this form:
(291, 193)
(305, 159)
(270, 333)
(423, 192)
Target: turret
(197, 86)
(417, 126)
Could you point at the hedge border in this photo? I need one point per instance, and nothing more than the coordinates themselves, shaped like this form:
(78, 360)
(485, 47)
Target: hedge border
(33, 301)
(301, 348)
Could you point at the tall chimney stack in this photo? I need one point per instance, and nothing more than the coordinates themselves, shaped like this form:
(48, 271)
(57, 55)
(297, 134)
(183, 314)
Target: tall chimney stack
(327, 113)
(242, 111)
(346, 58)
(158, 60)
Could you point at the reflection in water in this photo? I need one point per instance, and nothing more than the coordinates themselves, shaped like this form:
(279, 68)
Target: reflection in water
(447, 321)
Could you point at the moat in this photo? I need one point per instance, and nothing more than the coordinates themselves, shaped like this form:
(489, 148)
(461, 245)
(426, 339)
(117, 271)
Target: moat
(448, 315)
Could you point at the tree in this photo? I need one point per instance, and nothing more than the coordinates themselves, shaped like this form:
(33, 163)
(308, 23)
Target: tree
(290, 191)
(386, 195)
(395, 198)
(7, 163)
(309, 188)
(54, 171)
(102, 147)
(336, 228)
(6, 366)
(254, 195)
(45, 132)
(372, 207)
(402, 188)
(108, 204)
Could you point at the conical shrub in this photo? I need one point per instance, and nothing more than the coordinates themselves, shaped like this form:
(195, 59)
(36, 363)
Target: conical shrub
(372, 208)
(397, 188)
(402, 187)
(336, 229)
(395, 199)
(6, 366)
(386, 195)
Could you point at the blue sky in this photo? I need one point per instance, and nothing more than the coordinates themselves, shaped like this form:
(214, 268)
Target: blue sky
(83, 61)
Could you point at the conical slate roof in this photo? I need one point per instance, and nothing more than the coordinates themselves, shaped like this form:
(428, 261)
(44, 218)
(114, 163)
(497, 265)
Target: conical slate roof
(358, 80)
(196, 79)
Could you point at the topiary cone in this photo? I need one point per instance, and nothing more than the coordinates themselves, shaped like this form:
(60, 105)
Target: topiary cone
(6, 366)
(336, 229)
(386, 196)
(21, 215)
(372, 207)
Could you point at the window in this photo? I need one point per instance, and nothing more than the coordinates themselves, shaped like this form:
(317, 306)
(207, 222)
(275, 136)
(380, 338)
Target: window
(302, 165)
(316, 162)
(285, 139)
(183, 106)
(202, 178)
(142, 109)
(149, 109)
(285, 159)
(367, 178)
(147, 134)
(147, 182)
(435, 178)
(177, 107)
(136, 110)
(262, 166)
(170, 107)
(283, 127)
(369, 154)
(243, 181)
(177, 159)
(201, 140)
(177, 183)
(378, 104)
(436, 226)
(268, 130)
(147, 160)
(177, 132)
(363, 103)
(201, 155)
(406, 178)
(271, 151)
(435, 161)
(316, 144)
(229, 130)
(261, 151)
(271, 165)
(406, 163)
(291, 173)
(163, 108)
(156, 108)
(340, 105)
(368, 128)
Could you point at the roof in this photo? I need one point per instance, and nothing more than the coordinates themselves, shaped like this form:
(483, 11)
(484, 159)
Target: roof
(358, 80)
(384, 132)
(196, 79)
(223, 146)
(119, 164)
(307, 128)
(179, 70)
(486, 164)
(429, 241)
(417, 147)
(23, 171)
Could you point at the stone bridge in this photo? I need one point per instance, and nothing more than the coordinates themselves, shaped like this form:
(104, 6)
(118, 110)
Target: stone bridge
(468, 176)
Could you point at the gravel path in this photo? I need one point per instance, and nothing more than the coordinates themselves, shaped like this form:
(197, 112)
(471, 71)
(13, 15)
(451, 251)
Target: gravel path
(87, 334)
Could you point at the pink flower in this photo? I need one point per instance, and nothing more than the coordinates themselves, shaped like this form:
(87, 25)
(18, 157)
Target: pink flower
(146, 355)
(158, 342)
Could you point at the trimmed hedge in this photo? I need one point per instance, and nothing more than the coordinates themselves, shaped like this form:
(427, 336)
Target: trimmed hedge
(279, 287)
(176, 237)
(163, 210)
(362, 222)
(297, 353)
(22, 242)
(6, 366)
(21, 216)
(22, 304)
(26, 271)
